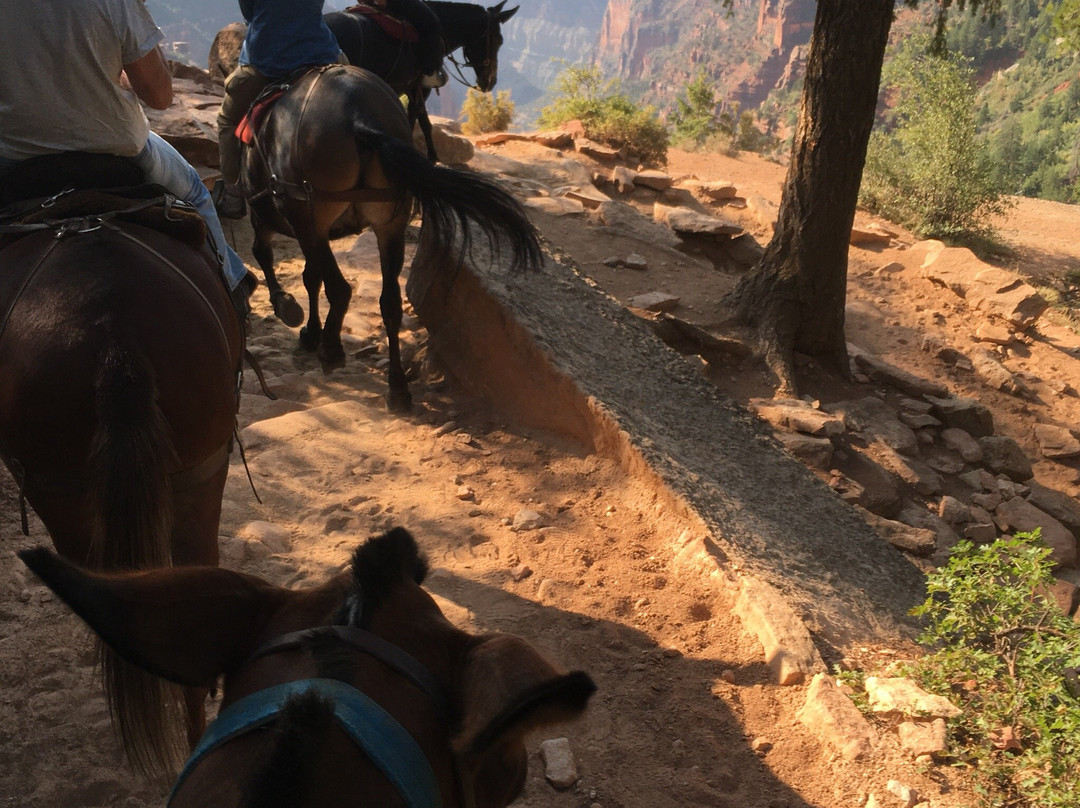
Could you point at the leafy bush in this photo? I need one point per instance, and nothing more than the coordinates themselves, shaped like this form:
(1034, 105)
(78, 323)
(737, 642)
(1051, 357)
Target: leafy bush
(1009, 656)
(485, 112)
(607, 115)
(694, 120)
(929, 171)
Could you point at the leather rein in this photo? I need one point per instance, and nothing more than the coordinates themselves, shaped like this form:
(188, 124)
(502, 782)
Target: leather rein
(487, 36)
(374, 731)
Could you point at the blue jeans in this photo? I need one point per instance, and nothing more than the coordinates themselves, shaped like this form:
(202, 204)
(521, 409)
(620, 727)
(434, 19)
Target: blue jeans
(164, 165)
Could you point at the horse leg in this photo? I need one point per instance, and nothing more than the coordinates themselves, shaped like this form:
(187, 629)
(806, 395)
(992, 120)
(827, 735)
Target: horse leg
(391, 260)
(285, 306)
(320, 267)
(418, 112)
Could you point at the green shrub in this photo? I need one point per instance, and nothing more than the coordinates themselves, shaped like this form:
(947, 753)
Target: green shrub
(607, 115)
(694, 120)
(929, 171)
(485, 112)
(1007, 654)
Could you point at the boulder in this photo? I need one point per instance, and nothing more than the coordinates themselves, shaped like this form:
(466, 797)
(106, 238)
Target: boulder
(623, 179)
(872, 235)
(1061, 506)
(964, 413)
(833, 717)
(587, 195)
(629, 222)
(994, 291)
(452, 148)
(915, 540)
(995, 375)
(555, 139)
(875, 421)
(225, 51)
(689, 222)
(1020, 516)
(810, 450)
(1056, 442)
(960, 441)
(1003, 455)
(651, 178)
(895, 695)
(710, 191)
(795, 414)
(880, 370)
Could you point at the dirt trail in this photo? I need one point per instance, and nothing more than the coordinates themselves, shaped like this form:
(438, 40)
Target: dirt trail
(683, 690)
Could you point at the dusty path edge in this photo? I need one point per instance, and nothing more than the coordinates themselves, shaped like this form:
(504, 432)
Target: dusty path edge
(554, 352)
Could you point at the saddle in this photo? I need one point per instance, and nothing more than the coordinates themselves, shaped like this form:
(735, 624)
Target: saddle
(395, 28)
(52, 174)
(72, 210)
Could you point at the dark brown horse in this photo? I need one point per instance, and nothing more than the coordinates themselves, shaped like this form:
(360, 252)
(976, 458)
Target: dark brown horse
(339, 140)
(119, 353)
(476, 30)
(355, 692)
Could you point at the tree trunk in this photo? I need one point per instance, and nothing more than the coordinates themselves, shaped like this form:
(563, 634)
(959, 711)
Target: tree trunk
(794, 298)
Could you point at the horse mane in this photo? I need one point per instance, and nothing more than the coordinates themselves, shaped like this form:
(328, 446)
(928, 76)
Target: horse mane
(378, 565)
(282, 779)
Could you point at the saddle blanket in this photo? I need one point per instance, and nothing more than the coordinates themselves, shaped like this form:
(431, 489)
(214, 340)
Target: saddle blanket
(249, 124)
(396, 29)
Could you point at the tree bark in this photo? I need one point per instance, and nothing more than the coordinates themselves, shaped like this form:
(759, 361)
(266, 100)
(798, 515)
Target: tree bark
(795, 297)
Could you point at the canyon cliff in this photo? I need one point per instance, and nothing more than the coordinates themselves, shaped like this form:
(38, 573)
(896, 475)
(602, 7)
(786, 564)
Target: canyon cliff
(748, 50)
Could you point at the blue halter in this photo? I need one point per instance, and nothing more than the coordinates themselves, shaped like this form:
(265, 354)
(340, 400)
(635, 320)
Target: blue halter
(388, 745)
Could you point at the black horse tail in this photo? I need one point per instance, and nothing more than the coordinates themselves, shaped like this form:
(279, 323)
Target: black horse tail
(130, 460)
(453, 200)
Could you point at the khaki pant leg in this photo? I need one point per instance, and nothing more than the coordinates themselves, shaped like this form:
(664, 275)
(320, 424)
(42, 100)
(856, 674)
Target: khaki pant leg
(242, 87)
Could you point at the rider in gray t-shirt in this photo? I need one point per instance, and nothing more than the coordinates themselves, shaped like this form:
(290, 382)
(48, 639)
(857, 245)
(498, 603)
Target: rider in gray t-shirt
(72, 73)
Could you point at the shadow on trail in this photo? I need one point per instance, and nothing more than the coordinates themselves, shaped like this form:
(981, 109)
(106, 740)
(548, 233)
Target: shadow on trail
(656, 712)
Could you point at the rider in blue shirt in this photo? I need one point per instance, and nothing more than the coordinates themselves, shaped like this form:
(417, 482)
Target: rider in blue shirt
(284, 36)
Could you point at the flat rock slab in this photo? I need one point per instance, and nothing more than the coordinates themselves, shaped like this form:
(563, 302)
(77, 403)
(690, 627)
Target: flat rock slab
(558, 354)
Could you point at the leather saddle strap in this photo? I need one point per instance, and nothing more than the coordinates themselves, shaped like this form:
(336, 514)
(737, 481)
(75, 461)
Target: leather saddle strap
(171, 265)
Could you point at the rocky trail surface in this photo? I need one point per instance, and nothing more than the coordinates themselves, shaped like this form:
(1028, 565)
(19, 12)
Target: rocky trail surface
(529, 532)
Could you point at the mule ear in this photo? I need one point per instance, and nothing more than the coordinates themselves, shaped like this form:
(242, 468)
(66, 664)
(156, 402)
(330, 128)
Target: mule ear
(509, 689)
(184, 624)
(497, 8)
(505, 15)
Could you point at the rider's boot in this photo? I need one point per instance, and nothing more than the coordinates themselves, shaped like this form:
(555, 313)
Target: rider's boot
(229, 200)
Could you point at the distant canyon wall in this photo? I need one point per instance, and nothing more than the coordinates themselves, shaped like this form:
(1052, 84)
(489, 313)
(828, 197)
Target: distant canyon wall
(748, 50)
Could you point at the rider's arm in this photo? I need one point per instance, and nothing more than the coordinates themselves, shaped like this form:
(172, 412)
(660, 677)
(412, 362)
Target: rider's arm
(151, 80)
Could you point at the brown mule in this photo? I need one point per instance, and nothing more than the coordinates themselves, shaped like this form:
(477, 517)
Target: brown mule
(119, 354)
(355, 692)
(338, 140)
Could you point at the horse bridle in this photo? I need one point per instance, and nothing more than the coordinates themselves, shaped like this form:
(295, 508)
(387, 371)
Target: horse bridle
(385, 742)
(458, 67)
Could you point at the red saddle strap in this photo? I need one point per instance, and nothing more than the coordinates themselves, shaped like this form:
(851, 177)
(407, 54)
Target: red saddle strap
(396, 29)
(249, 124)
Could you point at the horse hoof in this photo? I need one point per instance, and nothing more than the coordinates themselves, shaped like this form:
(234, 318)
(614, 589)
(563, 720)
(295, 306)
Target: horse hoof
(287, 309)
(399, 401)
(331, 359)
(309, 340)
(330, 365)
